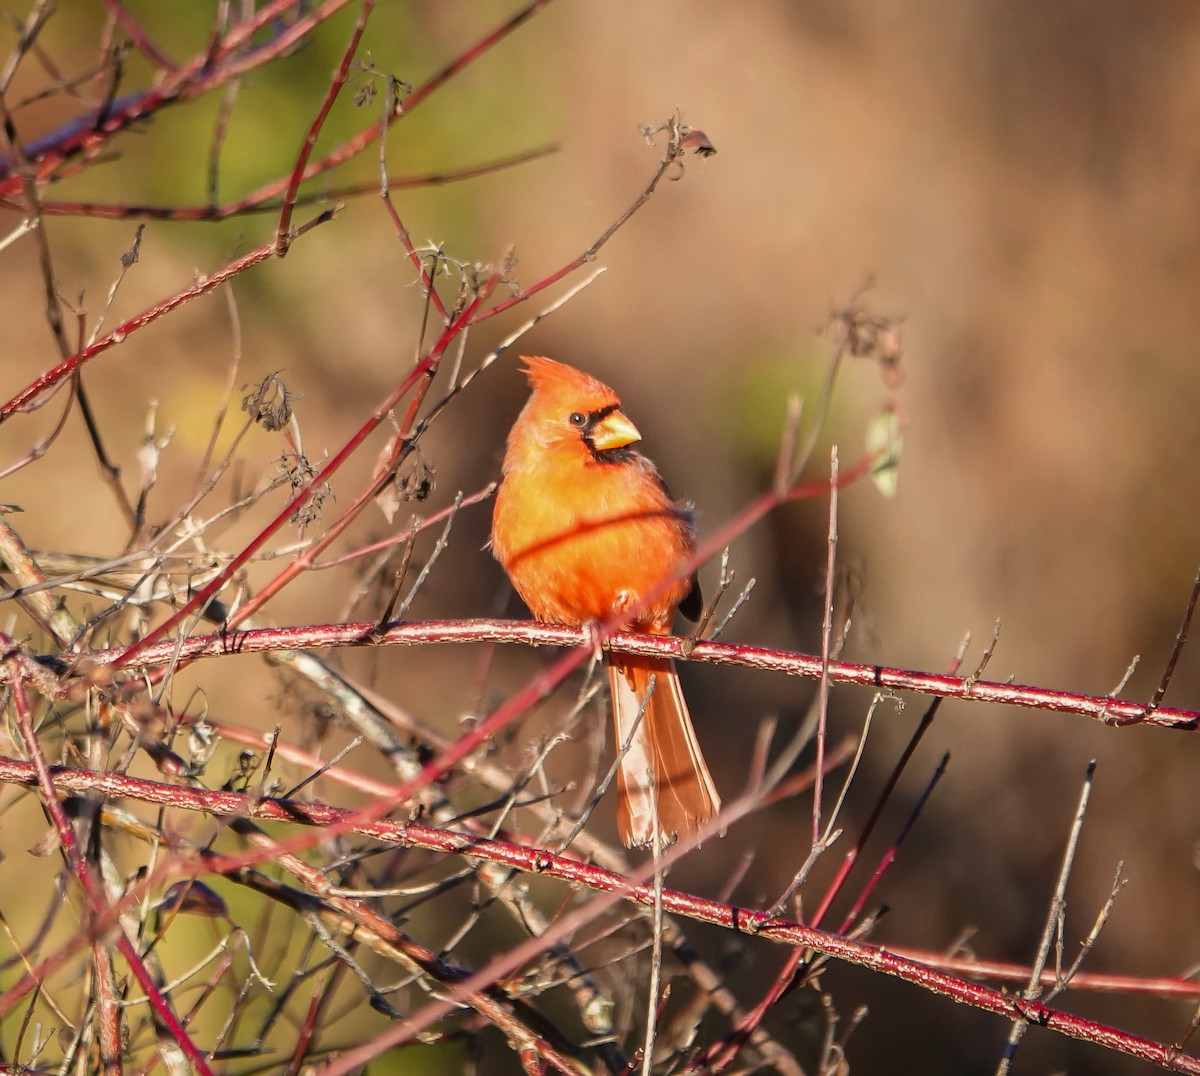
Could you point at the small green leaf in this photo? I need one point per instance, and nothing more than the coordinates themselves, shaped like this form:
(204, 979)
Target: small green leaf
(885, 441)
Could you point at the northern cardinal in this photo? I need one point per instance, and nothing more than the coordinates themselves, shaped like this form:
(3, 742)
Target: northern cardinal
(585, 529)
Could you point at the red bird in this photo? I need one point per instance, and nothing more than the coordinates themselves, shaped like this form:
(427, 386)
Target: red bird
(585, 529)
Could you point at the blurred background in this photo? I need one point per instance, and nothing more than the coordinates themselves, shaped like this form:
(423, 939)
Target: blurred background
(1020, 181)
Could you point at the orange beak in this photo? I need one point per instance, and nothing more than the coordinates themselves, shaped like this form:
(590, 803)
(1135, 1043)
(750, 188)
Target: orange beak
(614, 431)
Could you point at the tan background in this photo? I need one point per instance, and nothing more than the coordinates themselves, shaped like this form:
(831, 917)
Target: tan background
(1020, 180)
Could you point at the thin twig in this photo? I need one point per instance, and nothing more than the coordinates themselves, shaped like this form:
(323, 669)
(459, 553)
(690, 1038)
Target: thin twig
(1054, 918)
(1180, 638)
(826, 635)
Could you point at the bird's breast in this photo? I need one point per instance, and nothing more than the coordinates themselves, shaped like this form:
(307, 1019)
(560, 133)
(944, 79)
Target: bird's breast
(583, 544)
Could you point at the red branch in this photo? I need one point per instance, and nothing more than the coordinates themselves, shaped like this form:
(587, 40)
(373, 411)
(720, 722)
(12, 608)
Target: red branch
(216, 67)
(48, 380)
(324, 636)
(1100, 982)
(538, 861)
(356, 145)
(283, 234)
(421, 370)
(200, 75)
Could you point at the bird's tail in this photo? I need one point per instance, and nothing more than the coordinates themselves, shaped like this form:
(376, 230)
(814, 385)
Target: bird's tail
(663, 772)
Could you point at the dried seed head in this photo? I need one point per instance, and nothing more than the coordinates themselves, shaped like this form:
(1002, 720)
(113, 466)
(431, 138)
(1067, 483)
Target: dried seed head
(268, 403)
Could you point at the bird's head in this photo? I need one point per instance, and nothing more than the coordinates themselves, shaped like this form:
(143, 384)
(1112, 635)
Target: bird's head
(570, 410)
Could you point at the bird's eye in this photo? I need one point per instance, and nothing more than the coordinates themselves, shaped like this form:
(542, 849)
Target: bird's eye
(578, 419)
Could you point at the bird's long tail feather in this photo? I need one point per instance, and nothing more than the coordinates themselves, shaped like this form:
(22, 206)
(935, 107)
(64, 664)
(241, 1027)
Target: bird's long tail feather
(663, 769)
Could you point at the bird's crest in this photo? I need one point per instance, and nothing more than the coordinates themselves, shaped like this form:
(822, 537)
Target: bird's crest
(558, 379)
